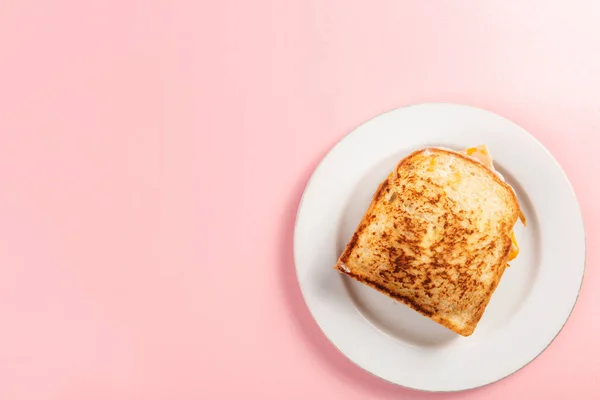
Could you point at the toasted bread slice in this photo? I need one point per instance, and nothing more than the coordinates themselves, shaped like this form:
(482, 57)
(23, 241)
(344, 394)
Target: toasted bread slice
(436, 237)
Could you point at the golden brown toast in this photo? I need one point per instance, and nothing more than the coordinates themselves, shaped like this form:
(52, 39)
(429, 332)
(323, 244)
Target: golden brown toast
(436, 237)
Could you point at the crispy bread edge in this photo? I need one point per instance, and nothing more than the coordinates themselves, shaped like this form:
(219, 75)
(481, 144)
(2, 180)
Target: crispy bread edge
(470, 327)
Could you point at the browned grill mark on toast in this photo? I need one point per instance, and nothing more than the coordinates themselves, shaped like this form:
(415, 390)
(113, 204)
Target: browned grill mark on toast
(363, 223)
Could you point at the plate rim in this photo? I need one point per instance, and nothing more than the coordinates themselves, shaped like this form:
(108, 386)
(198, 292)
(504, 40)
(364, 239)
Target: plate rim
(580, 222)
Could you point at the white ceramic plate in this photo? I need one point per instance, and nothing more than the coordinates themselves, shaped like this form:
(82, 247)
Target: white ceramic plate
(534, 298)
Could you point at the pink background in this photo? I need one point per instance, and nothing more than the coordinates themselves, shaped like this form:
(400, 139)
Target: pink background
(153, 153)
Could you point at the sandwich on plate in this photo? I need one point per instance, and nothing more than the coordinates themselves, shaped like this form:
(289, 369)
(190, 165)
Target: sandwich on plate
(438, 235)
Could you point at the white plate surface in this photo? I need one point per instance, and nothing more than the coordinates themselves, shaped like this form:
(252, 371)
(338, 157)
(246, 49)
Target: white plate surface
(534, 298)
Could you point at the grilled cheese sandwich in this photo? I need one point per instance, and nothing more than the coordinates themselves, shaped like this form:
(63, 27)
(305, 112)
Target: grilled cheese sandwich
(437, 236)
